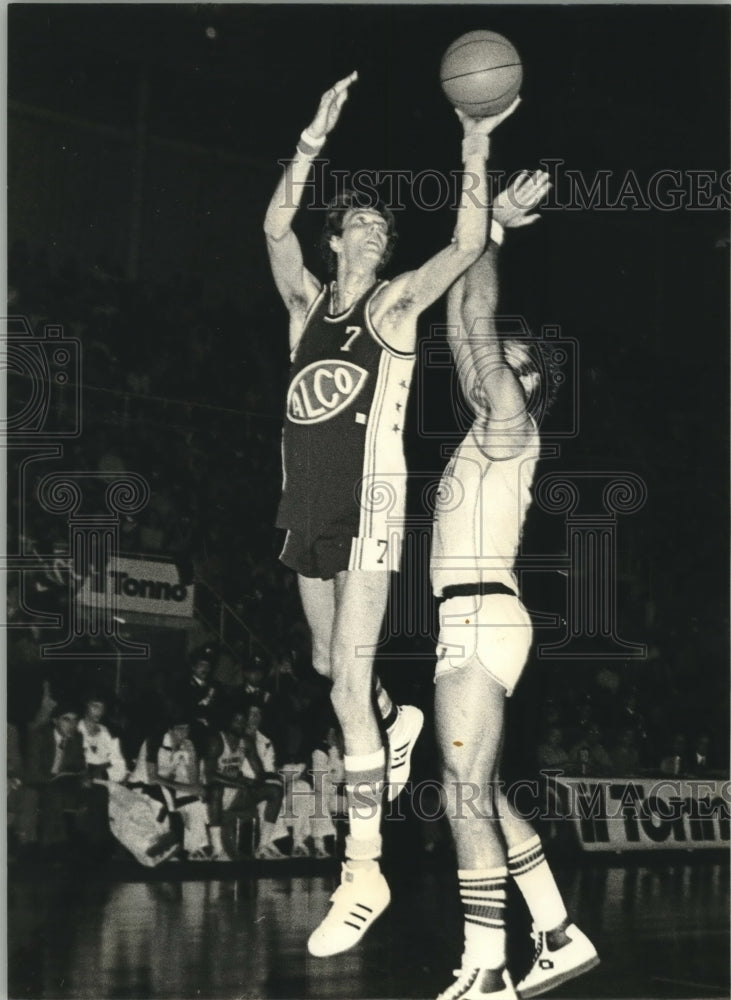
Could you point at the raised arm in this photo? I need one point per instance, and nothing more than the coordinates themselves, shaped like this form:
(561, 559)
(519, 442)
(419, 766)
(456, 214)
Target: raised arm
(294, 282)
(488, 381)
(409, 294)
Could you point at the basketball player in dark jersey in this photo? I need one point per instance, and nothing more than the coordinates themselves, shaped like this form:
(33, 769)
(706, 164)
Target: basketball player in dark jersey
(486, 633)
(353, 343)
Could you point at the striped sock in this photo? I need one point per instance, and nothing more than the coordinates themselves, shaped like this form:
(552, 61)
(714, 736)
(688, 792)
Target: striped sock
(482, 892)
(364, 777)
(528, 866)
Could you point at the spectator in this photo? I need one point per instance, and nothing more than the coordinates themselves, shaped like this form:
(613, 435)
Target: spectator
(167, 770)
(265, 784)
(676, 762)
(202, 698)
(231, 794)
(625, 755)
(551, 754)
(588, 756)
(102, 752)
(254, 674)
(57, 771)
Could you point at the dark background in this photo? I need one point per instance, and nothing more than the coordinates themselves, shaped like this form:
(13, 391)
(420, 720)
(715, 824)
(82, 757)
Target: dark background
(643, 292)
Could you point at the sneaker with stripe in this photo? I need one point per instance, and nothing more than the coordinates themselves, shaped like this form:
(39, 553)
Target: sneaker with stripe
(480, 984)
(361, 898)
(402, 736)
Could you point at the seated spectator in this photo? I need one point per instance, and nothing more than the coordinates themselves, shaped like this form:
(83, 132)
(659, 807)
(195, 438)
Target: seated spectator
(102, 752)
(328, 769)
(57, 771)
(676, 762)
(625, 755)
(588, 756)
(167, 770)
(265, 785)
(230, 793)
(551, 754)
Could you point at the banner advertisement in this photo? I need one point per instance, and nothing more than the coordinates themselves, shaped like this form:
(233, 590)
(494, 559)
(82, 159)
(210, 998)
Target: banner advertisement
(146, 586)
(647, 813)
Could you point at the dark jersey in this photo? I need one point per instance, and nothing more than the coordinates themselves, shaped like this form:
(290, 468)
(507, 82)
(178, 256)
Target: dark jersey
(342, 445)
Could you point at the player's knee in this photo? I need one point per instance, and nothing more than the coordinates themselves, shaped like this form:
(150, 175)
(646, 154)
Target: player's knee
(455, 772)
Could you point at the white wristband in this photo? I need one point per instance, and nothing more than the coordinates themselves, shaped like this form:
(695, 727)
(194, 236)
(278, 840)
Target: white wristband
(311, 140)
(497, 233)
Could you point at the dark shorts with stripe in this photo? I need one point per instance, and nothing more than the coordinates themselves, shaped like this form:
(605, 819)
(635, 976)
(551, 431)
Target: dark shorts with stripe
(323, 556)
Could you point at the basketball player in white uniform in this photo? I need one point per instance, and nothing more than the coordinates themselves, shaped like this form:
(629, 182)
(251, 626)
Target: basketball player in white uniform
(342, 562)
(485, 633)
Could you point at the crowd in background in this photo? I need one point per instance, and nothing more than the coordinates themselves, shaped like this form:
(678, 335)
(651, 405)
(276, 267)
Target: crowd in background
(173, 391)
(223, 739)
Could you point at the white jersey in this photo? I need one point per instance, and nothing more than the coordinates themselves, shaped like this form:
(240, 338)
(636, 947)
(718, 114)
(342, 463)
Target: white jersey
(480, 511)
(103, 750)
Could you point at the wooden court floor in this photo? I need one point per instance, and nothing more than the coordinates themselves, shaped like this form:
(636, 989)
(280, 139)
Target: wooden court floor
(662, 930)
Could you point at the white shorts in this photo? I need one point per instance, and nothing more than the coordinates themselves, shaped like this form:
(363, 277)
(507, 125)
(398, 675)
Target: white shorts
(494, 630)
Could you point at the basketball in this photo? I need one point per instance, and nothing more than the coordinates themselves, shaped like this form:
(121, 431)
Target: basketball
(481, 73)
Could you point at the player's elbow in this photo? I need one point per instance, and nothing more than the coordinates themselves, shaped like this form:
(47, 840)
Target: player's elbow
(272, 231)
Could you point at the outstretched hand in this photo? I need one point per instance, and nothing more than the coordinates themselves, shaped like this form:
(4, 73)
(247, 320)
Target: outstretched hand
(331, 104)
(484, 126)
(512, 206)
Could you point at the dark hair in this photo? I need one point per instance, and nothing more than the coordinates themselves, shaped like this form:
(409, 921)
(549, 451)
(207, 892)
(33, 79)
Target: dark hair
(65, 708)
(539, 361)
(178, 714)
(335, 214)
(96, 695)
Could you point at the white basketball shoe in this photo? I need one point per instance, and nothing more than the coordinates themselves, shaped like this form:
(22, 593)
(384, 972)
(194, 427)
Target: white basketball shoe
(361, 897)
(402, 736)
(480, 984)
(560, 955)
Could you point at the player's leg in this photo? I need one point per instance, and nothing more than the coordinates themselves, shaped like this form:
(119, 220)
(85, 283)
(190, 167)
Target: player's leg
(562, 951)
(469, 713)
(318, 602)
(403, 723)
(360, 604)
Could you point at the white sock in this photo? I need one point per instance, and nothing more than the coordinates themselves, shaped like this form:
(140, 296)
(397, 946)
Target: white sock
(482, 892)
(528, 866)
(364, 776)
